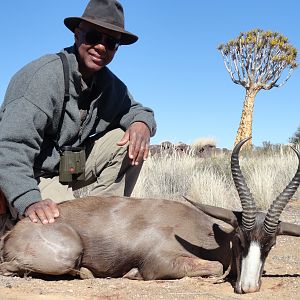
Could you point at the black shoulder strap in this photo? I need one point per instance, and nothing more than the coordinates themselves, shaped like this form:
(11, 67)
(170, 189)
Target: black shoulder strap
(66, 97)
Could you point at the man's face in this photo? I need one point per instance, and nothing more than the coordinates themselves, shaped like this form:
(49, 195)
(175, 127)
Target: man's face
(96, 47)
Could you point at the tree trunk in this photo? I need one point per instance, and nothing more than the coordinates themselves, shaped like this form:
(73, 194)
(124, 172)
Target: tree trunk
(245, 128)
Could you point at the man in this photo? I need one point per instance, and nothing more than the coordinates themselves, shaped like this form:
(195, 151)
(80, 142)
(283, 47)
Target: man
(100, 115)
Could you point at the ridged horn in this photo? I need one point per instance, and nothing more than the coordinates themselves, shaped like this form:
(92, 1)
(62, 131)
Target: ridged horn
(278, 205)
(247, 201)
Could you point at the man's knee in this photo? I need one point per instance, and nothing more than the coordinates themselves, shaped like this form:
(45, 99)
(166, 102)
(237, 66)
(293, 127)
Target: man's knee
(7, 221)
(3, 205)
(109, 141)
(106, 149)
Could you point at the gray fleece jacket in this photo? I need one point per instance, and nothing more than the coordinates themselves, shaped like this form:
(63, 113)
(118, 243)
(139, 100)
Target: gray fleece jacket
(31, 112)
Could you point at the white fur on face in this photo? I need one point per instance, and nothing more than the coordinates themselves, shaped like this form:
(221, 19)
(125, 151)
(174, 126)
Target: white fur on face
(251, 267)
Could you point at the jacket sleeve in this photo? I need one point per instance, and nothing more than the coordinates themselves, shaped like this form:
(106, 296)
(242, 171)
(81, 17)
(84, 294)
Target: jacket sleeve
(21, 134)
(136, 112)
(26, 117)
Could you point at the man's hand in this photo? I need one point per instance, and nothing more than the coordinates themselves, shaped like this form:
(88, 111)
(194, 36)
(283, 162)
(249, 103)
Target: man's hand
(138, 136)
(44, 211)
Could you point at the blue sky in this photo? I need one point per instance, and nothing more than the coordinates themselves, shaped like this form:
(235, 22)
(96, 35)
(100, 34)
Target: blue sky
(175, 67)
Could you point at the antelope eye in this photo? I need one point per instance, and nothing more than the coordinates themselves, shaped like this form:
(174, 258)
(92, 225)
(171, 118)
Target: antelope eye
(240, 241)
(269, 245)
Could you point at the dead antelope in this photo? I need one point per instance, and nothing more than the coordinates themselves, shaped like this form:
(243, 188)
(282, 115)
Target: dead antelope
(151, 238)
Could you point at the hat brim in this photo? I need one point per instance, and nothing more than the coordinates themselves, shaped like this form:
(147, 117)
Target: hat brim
(127, 37)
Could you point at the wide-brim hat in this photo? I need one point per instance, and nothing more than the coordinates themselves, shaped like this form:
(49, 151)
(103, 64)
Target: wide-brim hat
(107, 14)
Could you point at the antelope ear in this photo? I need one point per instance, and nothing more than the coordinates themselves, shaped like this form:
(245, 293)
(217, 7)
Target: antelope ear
(288, 229)
(226, 215)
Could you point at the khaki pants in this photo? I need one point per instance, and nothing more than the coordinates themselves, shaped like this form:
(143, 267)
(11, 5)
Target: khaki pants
(108, 172)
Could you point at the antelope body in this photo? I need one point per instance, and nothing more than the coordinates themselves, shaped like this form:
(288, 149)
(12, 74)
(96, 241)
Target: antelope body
(151, 238)
(111, 236)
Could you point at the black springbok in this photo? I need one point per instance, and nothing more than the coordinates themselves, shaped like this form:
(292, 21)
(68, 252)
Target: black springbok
(151, 238)
(255, 232)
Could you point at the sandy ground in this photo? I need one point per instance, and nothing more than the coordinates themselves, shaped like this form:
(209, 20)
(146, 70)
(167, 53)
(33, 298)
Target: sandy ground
(281, 280)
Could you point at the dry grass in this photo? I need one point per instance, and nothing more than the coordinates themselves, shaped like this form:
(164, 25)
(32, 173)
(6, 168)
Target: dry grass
(209, 181)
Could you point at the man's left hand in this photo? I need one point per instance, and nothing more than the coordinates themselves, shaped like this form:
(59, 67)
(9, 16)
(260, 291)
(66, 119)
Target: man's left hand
(138, 136)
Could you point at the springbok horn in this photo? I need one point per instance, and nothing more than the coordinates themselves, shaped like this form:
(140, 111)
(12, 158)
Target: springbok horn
(247, 201)
(278, 205)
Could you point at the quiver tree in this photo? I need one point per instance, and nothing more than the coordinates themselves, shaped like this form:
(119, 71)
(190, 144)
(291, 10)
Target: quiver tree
(257, 60)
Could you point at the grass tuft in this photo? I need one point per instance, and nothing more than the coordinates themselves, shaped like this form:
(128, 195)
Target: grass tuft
(208, 180)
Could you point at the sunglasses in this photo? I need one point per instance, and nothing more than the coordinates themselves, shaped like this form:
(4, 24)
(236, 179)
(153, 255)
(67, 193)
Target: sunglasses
(94, 37)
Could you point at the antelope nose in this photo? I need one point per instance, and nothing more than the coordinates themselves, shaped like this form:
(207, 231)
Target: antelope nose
(250, 288)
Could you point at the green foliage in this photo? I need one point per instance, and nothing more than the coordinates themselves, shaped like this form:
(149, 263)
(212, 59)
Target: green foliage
(256, 59)
(269, 149)
(295, 139)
